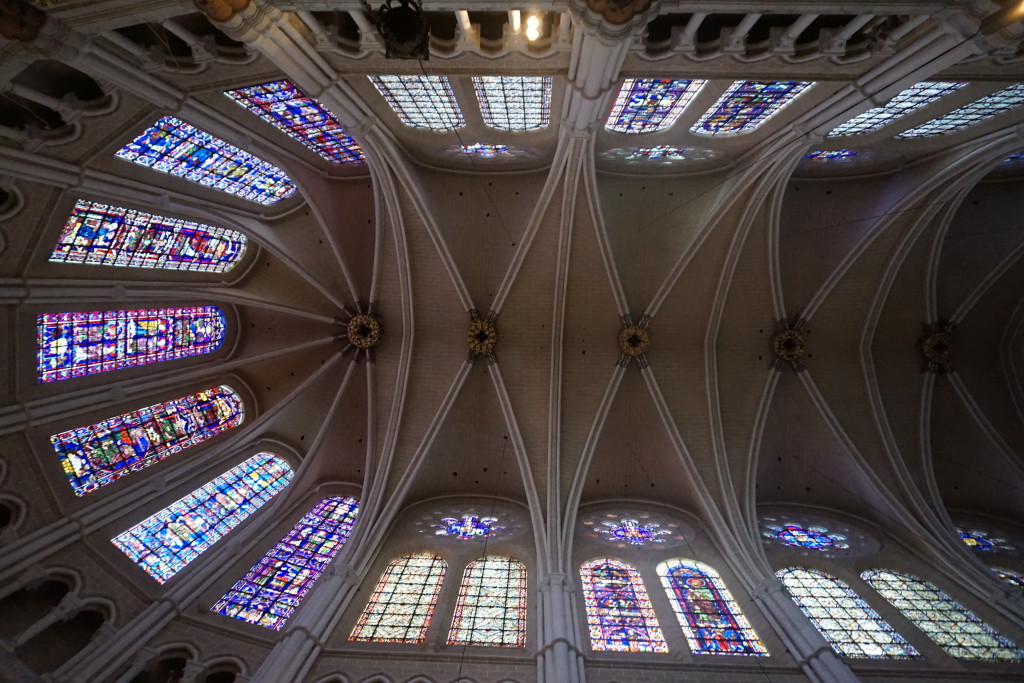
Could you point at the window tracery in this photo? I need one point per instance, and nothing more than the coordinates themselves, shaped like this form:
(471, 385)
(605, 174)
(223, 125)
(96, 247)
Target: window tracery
(402, 605)
(952, 626)
(849, 624)
(491, 608)
(164, 543)
(646, 105)
(983, 541)
(708, 614)
(811, 537)
(1009, 576)
(969, 115)
(516, 103)
(87, 343)
(421, 101)
(748, 105)
(98, 454)
(619, 613)
(273, 589)
(904, 103)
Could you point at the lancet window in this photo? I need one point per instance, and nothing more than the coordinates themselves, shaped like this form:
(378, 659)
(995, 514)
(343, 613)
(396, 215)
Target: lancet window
(514, 102)
(971, 114)
(491, 609)
(748, 105)
(904, 103)
(619, 613)
(421, 101)
(402, 605)
(646, 105)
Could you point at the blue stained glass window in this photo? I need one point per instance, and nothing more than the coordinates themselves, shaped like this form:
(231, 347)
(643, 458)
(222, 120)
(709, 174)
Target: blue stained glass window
(105, 235)
(491, 609)
(619, 612)
(812, 537)
(645, 105)
(984, 541)
(402, 605)
(848, 623)
(631, 531)
(273, 589)
(710, 618)
(514, 102)
(421, 101)
(905, 102)
(468, 527)
(485, 150)
(78, 344)
(748, 105)
(1014, 158)
(971, 114)
(1009, 576)
(175, 147)
(952, 626)
(830, 154)
(95, 455)
(302, 118)
(166, 542)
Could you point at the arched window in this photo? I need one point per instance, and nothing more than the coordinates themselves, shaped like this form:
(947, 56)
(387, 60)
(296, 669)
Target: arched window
(104, 235)
(952, 626)
(646, 105)
(1009, 576)
(167, 541)
(402, 604)
(491, 609)
(619, 612)
(97, 454)
(87, 343)
(173, 146)
(747, 105)
(274, 587)
(905, 102)
(971, 114)
(710, 618)
(514, 102)
(301, 118)
(421, 101)
(847, 622)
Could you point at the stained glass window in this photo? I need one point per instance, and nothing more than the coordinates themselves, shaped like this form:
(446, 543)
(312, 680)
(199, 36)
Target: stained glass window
(274, 587)
(645, 105)
(812, 537)
(659, 152)
(302, 118)
(95, 455)
(971, 114)
(619, 612)
(632, 531)
(952, 626)
(175, 147)
(1010, 576)
(907, 101)
(402, 604)
(78, 344)
(485, 150)
(710, 618)
(491, 609)
(514, 102)
(830, 154)
(421, 101)
(848, 623)
(467, 527)
(104, 235)
(748, 105)
(983, 541)
(166, 542)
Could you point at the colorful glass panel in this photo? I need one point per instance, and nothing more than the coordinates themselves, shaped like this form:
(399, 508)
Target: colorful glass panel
(645, 105)
(830, 154)
(491, 609)
(1009, 576)
(983, 541)
(467, 527)
(402, 604)
(421, 101)
(485, 150)
(952, 626)
(904, 103)
(848, 623)
(632, 532)
(301, 118)
(659, 152)
(87, 343)
(971, 114)
(274, 587)
(748, 105)
(619, 612)
(104, 235)
(95, 455)
(811, 537)
(708, 614)
(173, 146)
(514, 102)
(166, 542)
(1014, 158)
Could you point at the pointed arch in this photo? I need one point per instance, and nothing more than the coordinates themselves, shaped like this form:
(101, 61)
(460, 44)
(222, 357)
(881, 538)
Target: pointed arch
(402, 605)
(491, 609)
(619, 613)
(849, 624)
(708, 614)
(953, 627)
